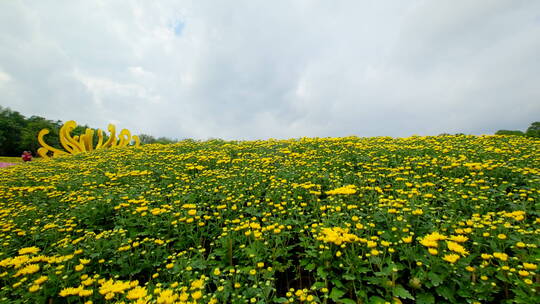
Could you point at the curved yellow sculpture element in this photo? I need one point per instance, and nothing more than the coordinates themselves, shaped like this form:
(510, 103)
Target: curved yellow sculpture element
(46, 146)
(82, 140)
(112, 138)
(43, 152)
(89, 139)
(63, 141)
(69, 141)
(125, 137)
(85, 142)
(100, 139)
(137, 141)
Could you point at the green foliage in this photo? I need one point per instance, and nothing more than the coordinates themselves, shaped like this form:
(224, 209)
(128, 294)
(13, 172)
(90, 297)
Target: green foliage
(149, 139)
(33, 126)
(534, 130)
(165, 140)
(11, 125)
(18, 133)
(510, 132)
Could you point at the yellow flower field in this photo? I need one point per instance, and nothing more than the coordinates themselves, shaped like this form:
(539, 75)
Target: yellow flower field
(446, 219)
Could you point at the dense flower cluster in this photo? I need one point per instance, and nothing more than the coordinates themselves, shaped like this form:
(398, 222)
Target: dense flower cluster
(446, 219)
(337, 236)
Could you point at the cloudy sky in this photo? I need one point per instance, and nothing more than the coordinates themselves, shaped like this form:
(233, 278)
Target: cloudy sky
(281, 69)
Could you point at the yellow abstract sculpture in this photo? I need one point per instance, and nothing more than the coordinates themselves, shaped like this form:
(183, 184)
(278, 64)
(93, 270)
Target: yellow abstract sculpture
(84, 142)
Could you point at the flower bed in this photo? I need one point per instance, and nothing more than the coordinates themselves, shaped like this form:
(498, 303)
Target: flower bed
(448, 219)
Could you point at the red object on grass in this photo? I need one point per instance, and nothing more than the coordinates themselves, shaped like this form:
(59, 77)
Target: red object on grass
(26, 156)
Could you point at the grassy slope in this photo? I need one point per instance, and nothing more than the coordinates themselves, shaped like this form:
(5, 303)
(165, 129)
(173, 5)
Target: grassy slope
(9, 159)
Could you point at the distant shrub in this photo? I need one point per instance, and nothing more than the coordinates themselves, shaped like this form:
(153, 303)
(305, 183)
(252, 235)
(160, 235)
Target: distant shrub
(510, 132)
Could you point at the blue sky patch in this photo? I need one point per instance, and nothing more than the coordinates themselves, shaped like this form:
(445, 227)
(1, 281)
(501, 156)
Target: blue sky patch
(178, 27)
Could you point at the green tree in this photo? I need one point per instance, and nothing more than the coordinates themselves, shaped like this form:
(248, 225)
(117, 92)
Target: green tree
(165, 140)
(149, 139)
(510, 132)
(30, 132)
(534, 129)
(12, 124)
(146, 139)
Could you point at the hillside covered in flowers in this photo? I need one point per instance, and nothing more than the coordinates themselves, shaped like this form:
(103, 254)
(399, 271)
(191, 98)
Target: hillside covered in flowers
(447, 219)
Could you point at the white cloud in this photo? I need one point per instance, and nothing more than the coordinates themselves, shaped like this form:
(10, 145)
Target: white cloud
(281, 69)
(4, 77)
(101, 88)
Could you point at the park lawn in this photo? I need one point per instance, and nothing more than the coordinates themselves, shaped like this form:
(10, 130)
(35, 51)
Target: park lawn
(10, 159)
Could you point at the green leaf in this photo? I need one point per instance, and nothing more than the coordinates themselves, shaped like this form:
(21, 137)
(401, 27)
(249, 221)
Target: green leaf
(349, 277)
(280, 300)
(403, 293)
(375, 280)
(346, 301)
(435, 279)
(337, 283)
(322, 272)
(425, 298)
(446, 292)
(310, 266)
(376, 300)
(336, 294)
(362, 269)
(361, 294)
(384, 272)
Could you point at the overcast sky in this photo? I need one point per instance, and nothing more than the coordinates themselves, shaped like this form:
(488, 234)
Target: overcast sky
(281, 69)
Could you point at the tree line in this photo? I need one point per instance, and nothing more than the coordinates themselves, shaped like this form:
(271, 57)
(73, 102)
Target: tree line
(19, 133)
(532, 131)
